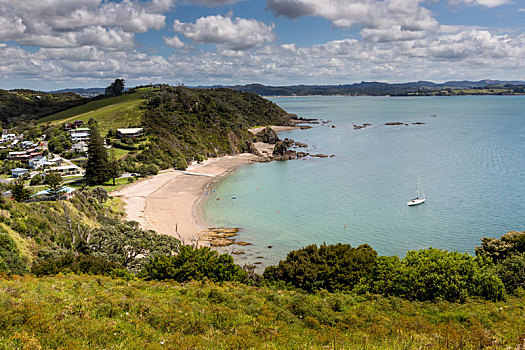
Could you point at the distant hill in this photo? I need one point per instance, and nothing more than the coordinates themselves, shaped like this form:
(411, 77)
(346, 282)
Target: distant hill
(382, 89)
(22, 105)
(89, 92)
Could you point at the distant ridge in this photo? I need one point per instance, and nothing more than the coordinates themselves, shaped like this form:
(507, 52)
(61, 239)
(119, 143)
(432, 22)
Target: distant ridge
(88, 92)
(381, 89)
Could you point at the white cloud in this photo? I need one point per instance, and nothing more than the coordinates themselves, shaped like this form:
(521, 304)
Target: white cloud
(236, 34)
(486, 3)
(175, 42)
(387, 20)
(72, 23)
(211, 3)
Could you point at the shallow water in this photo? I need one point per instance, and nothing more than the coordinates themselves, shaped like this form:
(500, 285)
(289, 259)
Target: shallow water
(470, 159)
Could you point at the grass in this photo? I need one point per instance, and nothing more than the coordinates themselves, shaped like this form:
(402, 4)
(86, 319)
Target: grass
(110, 113)
(93, 312)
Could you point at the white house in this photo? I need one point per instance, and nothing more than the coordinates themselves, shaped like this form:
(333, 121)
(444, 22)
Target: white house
(130, 132)
(16, 172)
(37, 162)
(80, 147)
(8, 137)
(79, 136)
(64, 170)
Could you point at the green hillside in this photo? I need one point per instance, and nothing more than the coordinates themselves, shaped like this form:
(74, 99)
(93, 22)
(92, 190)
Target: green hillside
(96, 312)
(110, 113)
(24, 105)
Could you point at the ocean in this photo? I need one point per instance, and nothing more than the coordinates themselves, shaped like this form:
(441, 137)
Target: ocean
(470, 161)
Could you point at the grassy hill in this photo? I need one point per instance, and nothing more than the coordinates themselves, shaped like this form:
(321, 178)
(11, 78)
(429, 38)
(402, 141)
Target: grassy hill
(95, 312)
(110, 113)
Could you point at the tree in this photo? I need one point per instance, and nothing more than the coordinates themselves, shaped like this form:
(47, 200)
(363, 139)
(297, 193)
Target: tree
(54, 184)
(101, 194)
(20, 193)
(97, 163)
(114, 170)
(35, 180)
(332, 267)
(116, 88)
(194, 264)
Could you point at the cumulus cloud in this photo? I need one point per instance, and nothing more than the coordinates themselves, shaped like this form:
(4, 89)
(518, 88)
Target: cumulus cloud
(211, 3)
(233, 34)
(486, 3)
(72, 23)
(387, 20)
(474, 53)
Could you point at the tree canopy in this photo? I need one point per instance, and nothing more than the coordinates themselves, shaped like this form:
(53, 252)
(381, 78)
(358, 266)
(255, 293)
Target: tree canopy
(97, 163)
(116, 88)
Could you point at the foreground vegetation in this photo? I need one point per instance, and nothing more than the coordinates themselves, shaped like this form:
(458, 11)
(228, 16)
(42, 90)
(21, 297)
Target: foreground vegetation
(90, 312)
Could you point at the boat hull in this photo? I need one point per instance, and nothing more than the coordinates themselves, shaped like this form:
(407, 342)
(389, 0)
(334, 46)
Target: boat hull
(418, 201)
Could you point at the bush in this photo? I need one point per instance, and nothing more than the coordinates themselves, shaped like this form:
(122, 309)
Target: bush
(512, 272)
(334, 267)
(498, 249)
(35, 180)
(181, 164)
(10, 260)
(194, 264)
(81, 263)
(431, 274)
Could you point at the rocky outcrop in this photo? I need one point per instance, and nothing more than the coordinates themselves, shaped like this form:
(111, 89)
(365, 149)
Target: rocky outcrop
(288, 142)
(281, 152)
(302, 154)
(394, 123)
(300, 144)
(319, 155)
(266, 135)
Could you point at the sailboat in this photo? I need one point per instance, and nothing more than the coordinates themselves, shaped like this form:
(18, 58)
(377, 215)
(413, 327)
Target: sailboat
(418, 200)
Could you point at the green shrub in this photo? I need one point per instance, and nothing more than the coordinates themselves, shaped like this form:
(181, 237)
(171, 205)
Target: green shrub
(194, 264)
(512, 272)
(10, 259)
(35, 180)
(180, 164)
(500, 248)
(431, 274)
(81, 263)
(330, 267)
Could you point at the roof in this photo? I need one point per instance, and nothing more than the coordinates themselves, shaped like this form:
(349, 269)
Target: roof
(64, 189)
(79, 134)
(130, 130)
(19, 169)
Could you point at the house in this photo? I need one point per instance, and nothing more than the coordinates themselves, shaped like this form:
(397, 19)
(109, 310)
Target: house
(79, 136)
(27, 144)
(64, 170)
(67, 192)
(16, 172)
(8, 137)
(78, 123)
(37, 162)
(80, 147)
(84, 130)
(130, 132)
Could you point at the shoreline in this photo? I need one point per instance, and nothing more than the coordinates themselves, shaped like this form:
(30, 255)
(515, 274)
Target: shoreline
(177, 209)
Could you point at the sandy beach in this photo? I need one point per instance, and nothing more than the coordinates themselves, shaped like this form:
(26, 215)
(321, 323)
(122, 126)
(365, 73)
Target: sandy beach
(169, 203)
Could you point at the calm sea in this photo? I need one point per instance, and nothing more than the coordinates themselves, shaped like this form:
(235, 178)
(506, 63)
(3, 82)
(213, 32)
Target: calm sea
(470, 161)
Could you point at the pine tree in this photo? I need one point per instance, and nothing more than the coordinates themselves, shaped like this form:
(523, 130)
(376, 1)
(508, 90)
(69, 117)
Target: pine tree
(54, 184)
(97, 164)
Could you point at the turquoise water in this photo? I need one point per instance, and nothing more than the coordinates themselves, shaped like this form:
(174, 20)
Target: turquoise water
(471, 162)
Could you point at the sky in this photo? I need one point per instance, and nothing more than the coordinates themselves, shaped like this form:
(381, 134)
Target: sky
(54, 44)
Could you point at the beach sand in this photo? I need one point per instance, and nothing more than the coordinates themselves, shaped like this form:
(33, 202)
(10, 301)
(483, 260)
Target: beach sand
(169, 203)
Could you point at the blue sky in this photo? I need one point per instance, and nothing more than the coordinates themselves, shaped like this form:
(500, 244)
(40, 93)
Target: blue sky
(52, 44)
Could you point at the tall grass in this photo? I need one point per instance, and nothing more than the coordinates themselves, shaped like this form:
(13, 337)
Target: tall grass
(91, 312)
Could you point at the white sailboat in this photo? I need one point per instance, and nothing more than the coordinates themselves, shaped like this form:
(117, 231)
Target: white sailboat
(418, 200)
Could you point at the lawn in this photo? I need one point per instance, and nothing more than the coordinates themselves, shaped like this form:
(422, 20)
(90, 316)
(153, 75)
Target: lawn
(110, 113)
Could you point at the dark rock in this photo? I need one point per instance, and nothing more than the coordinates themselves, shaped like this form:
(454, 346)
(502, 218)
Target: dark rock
(300, 144)
(302, 154)
(394, 123)
(280, 148)
(266, 135)
(319, 155)
(288, 142)
(418, 123)
(305, 127)
(333, 126)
